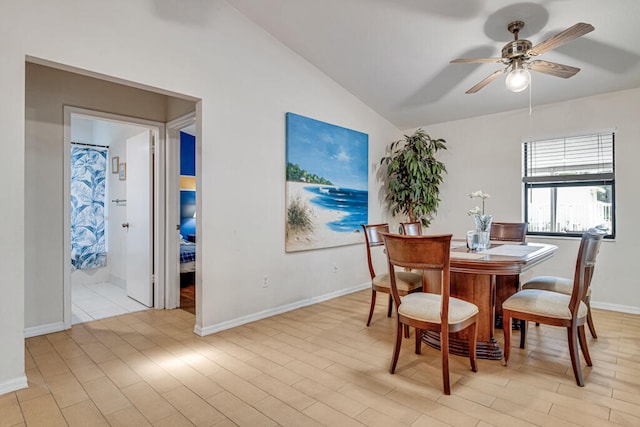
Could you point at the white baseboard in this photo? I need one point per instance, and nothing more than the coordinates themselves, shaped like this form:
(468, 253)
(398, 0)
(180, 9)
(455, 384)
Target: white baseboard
(198, 330)
(13, 385)
(615, 307)
(43, 329)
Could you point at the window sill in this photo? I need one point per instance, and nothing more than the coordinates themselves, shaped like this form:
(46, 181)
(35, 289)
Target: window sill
(539, 237)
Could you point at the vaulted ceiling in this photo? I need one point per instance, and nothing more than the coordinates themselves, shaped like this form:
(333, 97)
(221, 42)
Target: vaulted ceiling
(394, 54)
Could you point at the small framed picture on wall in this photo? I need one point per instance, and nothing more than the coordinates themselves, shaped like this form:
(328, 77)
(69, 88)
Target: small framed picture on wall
(123, 171)
(115, 164)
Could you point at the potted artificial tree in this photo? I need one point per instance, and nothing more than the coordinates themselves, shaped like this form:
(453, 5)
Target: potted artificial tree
(413, 176)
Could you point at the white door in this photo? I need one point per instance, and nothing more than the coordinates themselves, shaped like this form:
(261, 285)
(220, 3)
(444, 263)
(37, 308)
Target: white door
(139, 223)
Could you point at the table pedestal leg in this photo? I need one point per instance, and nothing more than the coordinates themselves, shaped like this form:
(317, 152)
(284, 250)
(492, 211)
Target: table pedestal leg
(460, 347)
(479, 289)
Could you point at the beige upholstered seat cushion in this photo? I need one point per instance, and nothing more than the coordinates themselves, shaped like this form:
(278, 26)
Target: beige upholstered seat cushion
(426, 307)
(545, 303)
(552, 283)
(405, 281)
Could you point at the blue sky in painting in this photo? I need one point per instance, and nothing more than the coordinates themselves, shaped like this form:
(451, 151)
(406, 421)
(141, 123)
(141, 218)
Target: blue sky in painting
(333, 152)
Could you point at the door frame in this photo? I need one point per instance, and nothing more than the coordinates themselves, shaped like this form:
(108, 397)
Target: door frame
(159, 220)
(172, 255)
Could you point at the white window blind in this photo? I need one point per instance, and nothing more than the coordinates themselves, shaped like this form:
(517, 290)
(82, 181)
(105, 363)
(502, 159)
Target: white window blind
(588, 157)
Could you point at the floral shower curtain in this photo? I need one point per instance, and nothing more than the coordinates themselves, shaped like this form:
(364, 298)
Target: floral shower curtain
(88, 174)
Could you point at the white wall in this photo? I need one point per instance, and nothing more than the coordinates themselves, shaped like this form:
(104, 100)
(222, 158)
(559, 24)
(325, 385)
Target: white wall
(242, 181)
(485, 153)
(247, 82)
(12, 221)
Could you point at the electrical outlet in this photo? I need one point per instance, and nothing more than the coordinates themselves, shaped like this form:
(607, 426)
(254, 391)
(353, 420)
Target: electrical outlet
(265, 281)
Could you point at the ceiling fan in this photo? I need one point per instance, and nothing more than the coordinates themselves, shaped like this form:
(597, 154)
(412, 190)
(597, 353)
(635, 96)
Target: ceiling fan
(518, 53)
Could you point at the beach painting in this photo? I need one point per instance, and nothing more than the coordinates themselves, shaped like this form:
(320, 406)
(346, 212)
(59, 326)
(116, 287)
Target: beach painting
(327, 184)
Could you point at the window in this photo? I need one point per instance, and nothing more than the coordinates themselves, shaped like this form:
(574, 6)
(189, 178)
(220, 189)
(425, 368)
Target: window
(569, 185)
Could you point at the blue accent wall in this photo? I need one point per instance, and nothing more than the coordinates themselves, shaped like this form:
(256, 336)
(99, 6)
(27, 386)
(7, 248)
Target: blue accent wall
(187, 197)
(187, 154)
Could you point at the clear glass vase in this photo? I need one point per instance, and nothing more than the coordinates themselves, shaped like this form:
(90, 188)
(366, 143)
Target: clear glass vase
(483, 228)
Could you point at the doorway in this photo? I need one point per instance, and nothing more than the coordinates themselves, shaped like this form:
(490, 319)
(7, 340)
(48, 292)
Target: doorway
(111, 269)
(182, 192)
(49, 89)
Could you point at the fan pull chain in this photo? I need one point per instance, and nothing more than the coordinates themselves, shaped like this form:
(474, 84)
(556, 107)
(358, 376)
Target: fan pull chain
(530, 111)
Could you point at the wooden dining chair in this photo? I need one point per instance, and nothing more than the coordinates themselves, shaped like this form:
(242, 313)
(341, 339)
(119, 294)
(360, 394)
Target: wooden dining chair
(411, 228)
(407, 281)
(426, 311)
(508, 231)
(563, 285)
(515, 232)
(558, 309)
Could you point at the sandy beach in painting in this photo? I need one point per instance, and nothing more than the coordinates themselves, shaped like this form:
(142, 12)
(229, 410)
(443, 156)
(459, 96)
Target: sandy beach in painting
(321, 236)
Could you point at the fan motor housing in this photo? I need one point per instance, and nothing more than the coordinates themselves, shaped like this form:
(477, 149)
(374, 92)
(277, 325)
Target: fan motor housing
(516, 49)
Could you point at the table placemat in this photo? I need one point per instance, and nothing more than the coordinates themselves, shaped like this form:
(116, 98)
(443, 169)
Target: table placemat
(511, 250)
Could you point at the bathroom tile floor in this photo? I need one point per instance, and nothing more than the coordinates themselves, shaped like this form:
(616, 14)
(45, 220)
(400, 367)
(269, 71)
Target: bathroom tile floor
(99, 301)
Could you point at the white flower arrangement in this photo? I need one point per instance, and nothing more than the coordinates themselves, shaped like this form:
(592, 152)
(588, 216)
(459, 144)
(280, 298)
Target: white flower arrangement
(483, 221)
(479, 195)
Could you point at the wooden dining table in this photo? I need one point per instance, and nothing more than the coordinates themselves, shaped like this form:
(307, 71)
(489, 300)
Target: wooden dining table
(479, 277)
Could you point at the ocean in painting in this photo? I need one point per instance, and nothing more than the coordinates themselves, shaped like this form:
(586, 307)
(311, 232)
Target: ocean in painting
(353, 203)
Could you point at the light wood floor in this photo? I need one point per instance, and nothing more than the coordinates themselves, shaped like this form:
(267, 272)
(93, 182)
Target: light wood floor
(314, 366)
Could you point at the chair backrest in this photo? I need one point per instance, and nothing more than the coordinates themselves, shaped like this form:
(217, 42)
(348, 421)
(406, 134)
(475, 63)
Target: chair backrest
(585, 265)
(411, 228)
(373, 238)
(509, 231)
(426, 253)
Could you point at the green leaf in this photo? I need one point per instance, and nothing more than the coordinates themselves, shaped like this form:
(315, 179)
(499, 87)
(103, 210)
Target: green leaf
(413, 175)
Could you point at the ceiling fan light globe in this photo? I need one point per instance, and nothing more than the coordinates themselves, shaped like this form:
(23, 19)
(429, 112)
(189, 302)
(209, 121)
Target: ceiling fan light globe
(518, 80)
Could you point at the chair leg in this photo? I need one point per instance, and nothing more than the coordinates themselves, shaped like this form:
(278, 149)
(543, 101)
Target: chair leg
(418, 341)
(473, 340)
(523, 333)
(506, 317)
(390, 305)
(444, 349)
(373, 304)
(572, 336)
(582, 338)
(592, 327)
(396, 348)
(406, 331)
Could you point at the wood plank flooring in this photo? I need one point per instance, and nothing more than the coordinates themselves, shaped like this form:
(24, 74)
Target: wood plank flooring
(318, 365)
(188, 298)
